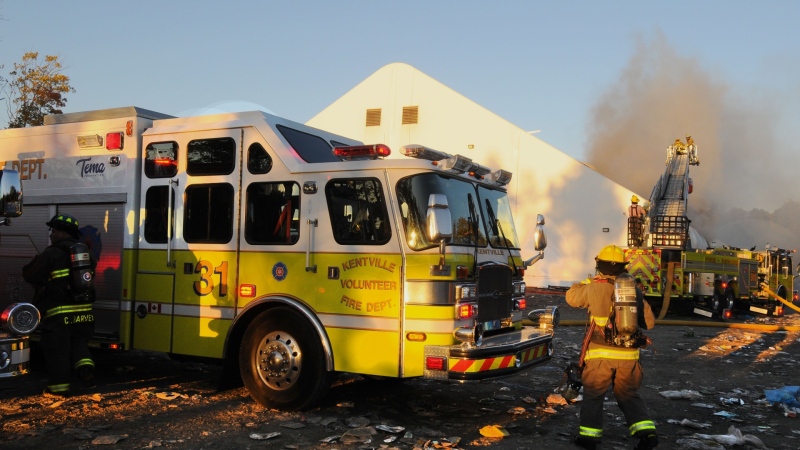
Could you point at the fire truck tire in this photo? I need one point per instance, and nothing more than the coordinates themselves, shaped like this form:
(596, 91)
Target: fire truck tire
(716, 303)
(282, 361)
(730, 301)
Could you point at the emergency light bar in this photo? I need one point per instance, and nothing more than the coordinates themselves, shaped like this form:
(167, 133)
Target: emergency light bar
(500, 177)
(458, 163)
(479, 170)
(422, 152)
(362, 152)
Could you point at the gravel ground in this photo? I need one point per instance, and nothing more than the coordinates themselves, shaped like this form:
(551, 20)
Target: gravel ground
(147, 400)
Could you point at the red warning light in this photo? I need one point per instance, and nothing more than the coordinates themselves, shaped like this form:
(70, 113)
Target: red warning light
(114, 141)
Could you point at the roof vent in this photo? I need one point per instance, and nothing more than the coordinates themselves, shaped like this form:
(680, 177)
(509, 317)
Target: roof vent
(374, 117)
(410, 115)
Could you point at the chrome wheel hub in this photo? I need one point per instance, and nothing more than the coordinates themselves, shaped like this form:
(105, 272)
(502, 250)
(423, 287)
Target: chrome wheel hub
(279, 360)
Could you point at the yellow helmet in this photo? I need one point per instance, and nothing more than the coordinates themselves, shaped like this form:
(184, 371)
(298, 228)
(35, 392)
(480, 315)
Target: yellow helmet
(611, 253)
(634, 199)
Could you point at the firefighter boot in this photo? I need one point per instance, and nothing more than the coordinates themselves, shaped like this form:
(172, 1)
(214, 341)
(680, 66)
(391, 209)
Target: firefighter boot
(53, 392)
(585, 442)
(647, 442)
(86, 374)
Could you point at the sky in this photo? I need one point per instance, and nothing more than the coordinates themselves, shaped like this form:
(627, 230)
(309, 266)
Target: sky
(603, 82)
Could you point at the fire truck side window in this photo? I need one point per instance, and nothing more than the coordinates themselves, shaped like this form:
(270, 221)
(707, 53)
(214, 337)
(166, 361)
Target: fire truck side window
(208, 213)
(156, 210)
(358, 211)
(211, 156)
(161, 160)
(258, 160)
(310, 147)
(273, 213)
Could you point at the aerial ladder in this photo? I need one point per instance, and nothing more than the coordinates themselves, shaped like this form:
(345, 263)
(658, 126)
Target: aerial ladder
(654, 256)
(669, 226)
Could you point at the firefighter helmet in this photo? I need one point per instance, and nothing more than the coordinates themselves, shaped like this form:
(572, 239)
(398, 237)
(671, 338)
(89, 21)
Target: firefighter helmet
(634, 199)
(65, 222)
(611, 253)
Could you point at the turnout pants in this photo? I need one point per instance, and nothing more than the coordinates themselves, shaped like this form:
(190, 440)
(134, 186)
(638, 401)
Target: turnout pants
(65, 348)
(625, 376)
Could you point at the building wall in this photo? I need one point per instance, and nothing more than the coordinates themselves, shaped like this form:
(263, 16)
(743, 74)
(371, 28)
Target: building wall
(577, 202)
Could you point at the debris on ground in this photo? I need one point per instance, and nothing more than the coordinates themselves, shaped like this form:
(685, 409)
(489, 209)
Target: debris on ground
(682, 394)
(690, 424)
(494, 431)
(734, 437)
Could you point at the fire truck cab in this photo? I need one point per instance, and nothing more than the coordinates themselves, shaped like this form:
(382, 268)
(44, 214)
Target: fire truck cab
(286, 252)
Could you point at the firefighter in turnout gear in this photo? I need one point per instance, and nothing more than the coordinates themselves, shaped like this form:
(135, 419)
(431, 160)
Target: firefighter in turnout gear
(609, 365)
(68, 319)
(636, 216)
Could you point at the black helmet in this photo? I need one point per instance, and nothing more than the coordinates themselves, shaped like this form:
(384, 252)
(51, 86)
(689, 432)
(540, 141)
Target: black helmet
(65, 222)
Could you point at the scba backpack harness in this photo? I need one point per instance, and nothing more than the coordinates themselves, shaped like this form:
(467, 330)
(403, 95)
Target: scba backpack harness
(81, 276)
(622, 329)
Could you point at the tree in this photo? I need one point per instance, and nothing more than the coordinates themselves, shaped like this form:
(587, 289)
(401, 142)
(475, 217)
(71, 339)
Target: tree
(35, 89)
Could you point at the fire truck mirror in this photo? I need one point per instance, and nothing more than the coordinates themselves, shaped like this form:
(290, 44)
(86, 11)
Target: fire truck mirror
(10, 194)
(440, 224)
(539, 238)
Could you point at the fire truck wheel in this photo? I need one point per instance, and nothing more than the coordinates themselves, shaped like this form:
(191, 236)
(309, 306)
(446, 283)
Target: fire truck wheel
(716, 303)
(282, 361)
(782, 292)
(730, 301)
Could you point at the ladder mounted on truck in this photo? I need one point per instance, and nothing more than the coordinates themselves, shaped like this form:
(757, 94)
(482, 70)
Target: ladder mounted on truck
(669, 225)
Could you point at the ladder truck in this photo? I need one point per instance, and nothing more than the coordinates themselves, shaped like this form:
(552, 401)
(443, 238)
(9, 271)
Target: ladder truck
(712, 282)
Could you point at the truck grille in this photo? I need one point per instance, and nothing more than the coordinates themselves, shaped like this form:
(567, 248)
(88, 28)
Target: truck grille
(494, 292)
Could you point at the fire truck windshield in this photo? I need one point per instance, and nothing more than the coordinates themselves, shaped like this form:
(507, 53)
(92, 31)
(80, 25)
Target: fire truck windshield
(500, 223)
(469, 216)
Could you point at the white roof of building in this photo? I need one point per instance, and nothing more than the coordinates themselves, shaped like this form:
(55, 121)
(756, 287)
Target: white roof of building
(584, 211)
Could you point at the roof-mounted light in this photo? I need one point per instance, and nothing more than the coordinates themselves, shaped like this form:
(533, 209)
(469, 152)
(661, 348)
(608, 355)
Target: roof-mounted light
(422, 152)
(457, 163)
(479, 170)
(500, 177)
(362, 152)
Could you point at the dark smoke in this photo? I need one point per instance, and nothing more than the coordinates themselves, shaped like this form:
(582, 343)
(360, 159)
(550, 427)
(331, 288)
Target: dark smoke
(661, 96)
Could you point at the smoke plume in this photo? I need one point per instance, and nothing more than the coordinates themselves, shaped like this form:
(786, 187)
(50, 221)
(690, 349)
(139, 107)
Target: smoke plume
(661, 96)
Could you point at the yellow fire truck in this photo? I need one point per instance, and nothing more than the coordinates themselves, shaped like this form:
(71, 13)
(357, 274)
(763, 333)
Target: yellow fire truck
(712, 282)
(285, 252)
(774, 270)
(708, 282)
(18, 319)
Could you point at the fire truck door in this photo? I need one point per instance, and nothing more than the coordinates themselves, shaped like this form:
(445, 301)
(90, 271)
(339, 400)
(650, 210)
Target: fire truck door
(155, 272)
(195, 263)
